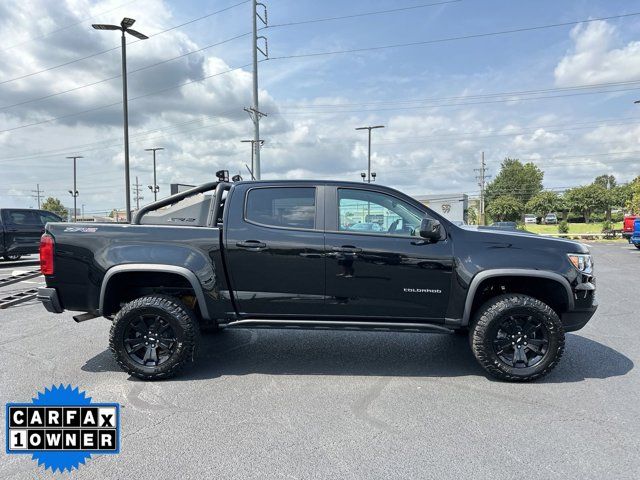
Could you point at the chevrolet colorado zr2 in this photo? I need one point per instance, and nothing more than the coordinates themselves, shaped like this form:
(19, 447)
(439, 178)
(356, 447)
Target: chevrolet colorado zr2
(286, 254)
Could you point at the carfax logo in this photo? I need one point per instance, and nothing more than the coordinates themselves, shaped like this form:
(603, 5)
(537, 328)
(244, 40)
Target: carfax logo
(61, 428)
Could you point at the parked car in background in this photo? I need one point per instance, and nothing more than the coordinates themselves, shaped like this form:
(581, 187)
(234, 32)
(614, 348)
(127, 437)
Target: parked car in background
(365, 227)
(530, 218)
(20, 230)
(551, 219)
(627, 225)
(635, 237)
(509, 226)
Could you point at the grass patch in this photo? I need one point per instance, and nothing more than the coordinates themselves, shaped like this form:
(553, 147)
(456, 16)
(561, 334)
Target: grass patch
(573, 228)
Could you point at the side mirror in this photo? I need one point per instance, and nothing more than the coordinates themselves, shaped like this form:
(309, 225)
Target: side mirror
(430, 229)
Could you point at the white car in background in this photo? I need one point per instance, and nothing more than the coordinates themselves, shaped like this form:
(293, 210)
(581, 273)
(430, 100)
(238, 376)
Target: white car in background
(529, 218)
(551, 219)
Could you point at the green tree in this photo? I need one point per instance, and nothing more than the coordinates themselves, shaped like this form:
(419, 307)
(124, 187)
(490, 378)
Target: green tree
(631, 196)
(586, 199)
(518, 180)
(543, 203)
(609, 185)
(54, 205)
(472, 216)
(505, 208)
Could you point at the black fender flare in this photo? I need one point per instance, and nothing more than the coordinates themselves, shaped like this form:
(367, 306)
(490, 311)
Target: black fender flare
(152, 267)
(511, 272)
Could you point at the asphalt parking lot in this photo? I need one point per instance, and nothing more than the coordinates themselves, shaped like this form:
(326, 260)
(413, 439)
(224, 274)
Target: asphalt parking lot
(283, 404)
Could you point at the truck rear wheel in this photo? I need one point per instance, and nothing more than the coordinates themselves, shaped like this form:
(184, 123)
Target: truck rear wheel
(154, 337)
(517, 338)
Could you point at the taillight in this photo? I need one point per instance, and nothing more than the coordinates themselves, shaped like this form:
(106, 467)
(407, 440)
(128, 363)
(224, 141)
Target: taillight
(46, 254)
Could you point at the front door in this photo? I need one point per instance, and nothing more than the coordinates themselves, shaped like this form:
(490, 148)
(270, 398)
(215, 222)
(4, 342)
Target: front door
(274, 245)
(377, 265)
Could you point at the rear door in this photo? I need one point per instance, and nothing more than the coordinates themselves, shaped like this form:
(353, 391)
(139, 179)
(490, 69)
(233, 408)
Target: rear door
(23, 229)
(388, 272)
(274, 248)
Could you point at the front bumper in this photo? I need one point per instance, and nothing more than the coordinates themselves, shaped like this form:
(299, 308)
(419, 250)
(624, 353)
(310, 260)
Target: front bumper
(49, 298)
(576, 319)
(585, 305)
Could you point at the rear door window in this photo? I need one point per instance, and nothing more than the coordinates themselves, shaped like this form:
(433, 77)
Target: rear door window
(288, 207)
(22, 217)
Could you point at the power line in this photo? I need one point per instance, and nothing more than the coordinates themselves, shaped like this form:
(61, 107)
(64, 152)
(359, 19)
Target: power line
(465, 97)
(450, 39)
(357, 15)
(97, 82)
(70, 62)
(75, 114)
(457, 104)
(66, 27)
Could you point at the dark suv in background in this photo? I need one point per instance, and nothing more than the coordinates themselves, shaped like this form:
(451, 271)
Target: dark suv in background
(20, 230)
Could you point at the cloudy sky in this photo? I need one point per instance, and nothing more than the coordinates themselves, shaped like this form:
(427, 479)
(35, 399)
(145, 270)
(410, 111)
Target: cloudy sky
(449, 80)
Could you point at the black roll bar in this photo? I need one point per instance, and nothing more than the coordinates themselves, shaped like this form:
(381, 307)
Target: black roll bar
(173, 199)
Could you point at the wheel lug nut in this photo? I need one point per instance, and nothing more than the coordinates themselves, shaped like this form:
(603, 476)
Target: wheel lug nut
(518, 346)
(525, 343)
(513, 343)
(146, 343)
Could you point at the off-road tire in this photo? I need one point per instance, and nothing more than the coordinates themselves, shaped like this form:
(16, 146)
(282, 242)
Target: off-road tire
(487, 321)
(183, 321)
(637, 246)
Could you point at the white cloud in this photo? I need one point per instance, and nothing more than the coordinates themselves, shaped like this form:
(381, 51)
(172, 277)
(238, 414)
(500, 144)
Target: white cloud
(596, 57)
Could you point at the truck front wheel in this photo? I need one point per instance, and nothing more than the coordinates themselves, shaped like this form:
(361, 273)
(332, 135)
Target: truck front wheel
(517, 338)
(154, 337)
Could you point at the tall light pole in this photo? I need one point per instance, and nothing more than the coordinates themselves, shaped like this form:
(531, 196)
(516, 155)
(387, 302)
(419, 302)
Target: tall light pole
(369, 175)
(124, 27)
(74, 192)
(154, 188)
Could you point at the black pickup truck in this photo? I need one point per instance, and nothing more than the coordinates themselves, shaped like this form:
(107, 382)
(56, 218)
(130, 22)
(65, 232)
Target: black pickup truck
(20, 230)
(291, 254)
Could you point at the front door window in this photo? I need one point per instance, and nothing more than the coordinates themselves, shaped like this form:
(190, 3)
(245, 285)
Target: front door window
(362, 211)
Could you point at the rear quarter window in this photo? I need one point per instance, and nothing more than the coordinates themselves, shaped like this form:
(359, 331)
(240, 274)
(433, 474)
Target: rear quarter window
(289, 207)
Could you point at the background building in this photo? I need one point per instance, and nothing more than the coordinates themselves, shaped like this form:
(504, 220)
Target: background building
(452, 206)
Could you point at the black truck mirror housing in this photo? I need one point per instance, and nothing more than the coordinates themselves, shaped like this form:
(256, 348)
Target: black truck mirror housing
(430, 229)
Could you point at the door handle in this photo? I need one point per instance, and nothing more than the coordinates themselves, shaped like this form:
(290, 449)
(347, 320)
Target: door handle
(252, 245)
(346, 249)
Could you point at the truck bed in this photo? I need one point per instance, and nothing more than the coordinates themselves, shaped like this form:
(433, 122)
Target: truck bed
(84, 252)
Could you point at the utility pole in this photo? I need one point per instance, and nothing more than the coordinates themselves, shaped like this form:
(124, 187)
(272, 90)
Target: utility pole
(482, 181)
(253, 149)
(136, 191)
(74, 192)
(38, 194)
(154, 188)
(83, 211)
(369, 174)
(254, 111)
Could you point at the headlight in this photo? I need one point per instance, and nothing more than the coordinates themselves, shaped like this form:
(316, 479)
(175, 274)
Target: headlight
(581, 261)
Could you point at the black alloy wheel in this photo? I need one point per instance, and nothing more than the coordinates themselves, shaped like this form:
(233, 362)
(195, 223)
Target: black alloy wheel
(521, 341)
(149, 340)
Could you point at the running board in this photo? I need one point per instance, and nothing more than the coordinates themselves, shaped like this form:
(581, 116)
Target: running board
(84, 317)
(339, 325)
